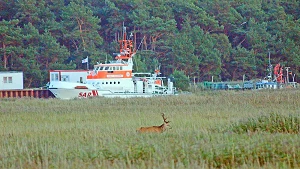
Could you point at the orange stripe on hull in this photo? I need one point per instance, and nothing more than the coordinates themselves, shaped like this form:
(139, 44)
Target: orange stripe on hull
(81, 87)
(110, 74)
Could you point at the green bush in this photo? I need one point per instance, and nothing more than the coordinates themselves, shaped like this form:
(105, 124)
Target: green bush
(181, 80)
(273, 123)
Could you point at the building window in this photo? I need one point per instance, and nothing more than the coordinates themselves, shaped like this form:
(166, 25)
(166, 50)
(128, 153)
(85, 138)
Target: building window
(7, 79)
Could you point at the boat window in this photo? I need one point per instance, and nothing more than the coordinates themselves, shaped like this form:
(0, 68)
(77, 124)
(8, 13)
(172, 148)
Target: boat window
(106, 82)
(110, 68)
(65, 78)
(114, 82)
(106, 68)
(118, 67)
(54, 77)
(114, 68)
(101, 68)
(118, 82)
(121, 68)
(110, 82)
(102, 82)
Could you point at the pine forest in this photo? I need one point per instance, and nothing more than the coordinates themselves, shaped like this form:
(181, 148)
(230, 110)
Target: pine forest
(226, 39)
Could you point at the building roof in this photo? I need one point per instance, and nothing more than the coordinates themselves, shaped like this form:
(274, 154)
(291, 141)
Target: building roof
(2, 72)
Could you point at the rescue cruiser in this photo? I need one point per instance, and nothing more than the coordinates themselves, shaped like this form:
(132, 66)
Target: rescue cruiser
(116, 79)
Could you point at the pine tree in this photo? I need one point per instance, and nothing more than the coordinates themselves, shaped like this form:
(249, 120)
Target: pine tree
(80, 31)
(10, 40)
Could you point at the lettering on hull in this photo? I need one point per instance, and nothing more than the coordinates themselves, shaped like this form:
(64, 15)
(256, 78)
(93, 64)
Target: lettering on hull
(114, 76)
(92, 93)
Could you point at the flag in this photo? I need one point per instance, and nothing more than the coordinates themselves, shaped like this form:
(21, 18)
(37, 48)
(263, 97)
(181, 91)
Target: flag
(85, 60)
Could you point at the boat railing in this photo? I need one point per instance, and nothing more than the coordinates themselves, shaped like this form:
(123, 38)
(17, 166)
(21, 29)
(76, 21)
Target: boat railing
(160, 89)
(142, 73)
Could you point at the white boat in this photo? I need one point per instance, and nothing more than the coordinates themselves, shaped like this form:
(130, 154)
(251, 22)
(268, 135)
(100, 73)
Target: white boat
(116, 79)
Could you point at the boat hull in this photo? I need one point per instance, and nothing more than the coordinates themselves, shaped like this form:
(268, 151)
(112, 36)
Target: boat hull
(70, 90)
(87, 93)
(74, 93)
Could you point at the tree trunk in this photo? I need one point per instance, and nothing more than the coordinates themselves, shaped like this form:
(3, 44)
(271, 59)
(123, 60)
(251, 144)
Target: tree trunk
(4, 56)
(145, 42)
(134, 38)
(234, 74)
(29, 82)
(80, 23)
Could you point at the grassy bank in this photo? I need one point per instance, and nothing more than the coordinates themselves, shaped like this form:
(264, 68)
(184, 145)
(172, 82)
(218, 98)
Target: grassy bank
(211, 129)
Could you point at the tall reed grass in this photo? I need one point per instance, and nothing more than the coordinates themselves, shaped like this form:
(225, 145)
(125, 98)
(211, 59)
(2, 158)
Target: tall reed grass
(211, 129)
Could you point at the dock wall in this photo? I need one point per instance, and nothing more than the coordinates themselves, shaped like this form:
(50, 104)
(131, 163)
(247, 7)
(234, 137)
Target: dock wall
(35, 93)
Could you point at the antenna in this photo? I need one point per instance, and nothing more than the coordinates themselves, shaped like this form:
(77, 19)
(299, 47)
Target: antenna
(269, 58)
(287, 74)
(124, 36)
(140, 43)
(124, 31)
(269, 67)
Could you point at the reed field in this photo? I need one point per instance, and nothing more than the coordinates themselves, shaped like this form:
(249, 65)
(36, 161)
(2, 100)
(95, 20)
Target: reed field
(210, 129)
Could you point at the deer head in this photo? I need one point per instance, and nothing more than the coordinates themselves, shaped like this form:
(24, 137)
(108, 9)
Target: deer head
(166, 123)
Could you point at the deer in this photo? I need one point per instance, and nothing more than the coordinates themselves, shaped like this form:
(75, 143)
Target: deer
(155, 129)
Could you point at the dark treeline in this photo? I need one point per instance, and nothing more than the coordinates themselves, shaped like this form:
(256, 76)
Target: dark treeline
(202, 38)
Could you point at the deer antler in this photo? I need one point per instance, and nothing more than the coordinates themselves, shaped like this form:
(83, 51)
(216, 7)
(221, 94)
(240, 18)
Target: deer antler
(163, 116)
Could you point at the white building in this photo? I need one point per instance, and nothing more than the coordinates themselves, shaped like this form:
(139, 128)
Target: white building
(10, 80)
(68, 75)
